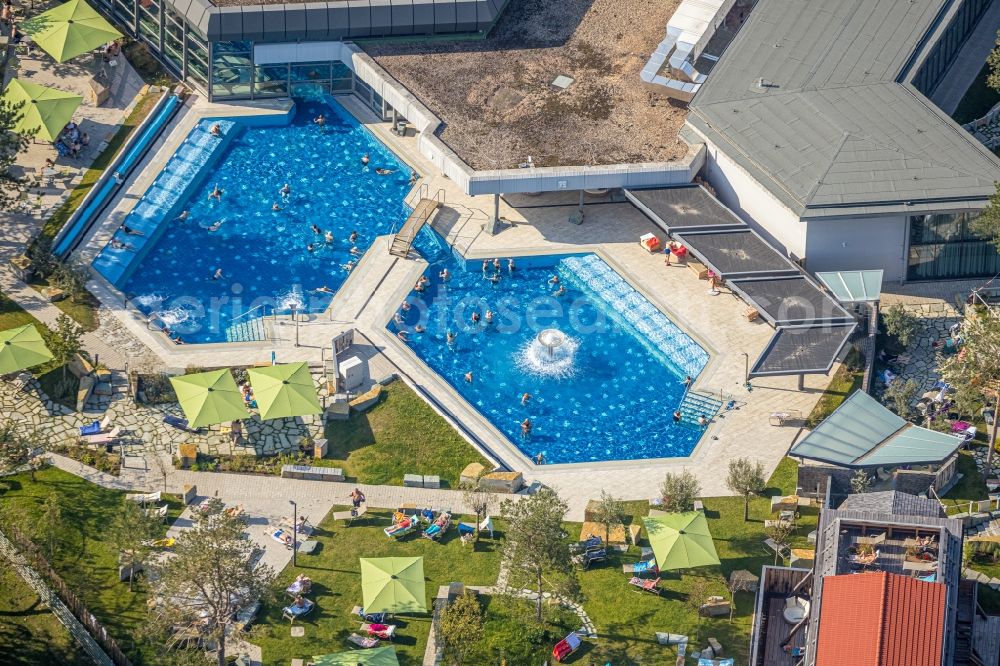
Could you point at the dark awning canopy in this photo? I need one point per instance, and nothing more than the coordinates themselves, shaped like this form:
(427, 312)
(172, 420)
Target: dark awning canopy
(737, 253)
(796, 350)
(686, 208)
(787, 300)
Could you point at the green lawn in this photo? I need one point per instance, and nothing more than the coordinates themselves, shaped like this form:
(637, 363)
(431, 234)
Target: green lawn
(978, 99)
(971, 487)
(12, 314)
(626, 620)
(29, 631)
(49, 374)
(401, 435)
(83, 310)
(87, 563)
(335, 572)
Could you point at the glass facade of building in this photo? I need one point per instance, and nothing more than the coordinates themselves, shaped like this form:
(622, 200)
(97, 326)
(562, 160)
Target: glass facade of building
(937, 63)
(943, 247)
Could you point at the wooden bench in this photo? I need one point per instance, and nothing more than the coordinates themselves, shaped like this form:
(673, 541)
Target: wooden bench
(698, 269)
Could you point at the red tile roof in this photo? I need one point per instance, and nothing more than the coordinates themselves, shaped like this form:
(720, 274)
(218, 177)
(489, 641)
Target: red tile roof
(880, 619)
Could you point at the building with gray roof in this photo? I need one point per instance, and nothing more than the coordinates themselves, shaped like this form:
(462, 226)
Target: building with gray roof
(895, 503)
(820, 133)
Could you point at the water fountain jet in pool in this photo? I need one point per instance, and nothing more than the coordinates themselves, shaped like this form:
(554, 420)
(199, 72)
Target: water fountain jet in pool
(550, 354)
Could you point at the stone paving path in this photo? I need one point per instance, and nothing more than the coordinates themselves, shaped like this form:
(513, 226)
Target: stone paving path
(55, 604)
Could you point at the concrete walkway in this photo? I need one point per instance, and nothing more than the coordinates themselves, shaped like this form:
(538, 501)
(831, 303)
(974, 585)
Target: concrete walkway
(969, 60)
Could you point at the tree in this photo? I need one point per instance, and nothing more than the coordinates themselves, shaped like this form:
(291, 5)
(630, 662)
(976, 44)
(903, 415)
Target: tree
(162, 468)
(610, 513)
(210, 577)
(71, 278)
(780, 532)
(679, 491)
(461, 627)
(43, 262)
(11, 145)
(974, 372)
(49, 527)
(746, 479)
(535, 545)
(993, 60)
(133, 532)
(15, 451)
(901, 393)
(900, 323)
(65, 341)
(987, 223)
(480, 499)
(860, 482)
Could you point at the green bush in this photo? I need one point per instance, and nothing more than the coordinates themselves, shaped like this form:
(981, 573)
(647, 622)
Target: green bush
(901, 324)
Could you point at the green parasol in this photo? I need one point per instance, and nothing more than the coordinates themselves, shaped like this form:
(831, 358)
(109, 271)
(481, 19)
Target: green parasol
(22, 348)
(46, 110)
(70, 29)
(393, 585)
(209, 397)
(380, 656)
(284, 390)
(681, 540)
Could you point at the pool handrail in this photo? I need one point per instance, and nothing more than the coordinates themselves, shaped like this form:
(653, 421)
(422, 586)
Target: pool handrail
(128, 157)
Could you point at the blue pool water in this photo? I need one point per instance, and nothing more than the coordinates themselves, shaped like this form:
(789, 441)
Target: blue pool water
(262, 253)
(612, 399)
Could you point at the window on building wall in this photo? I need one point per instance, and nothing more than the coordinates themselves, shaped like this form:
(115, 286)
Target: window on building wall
(943, 247)
(271, 81)
(125, 11)
(232, 69)
(173, 40)
(197, 59)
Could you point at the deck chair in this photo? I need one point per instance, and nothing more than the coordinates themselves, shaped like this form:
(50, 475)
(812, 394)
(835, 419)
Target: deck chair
(97, 427)
(586, 559)
(158, 512)
(642, 568)
(363, 641)
(589, 544)
(292, 612)
(177, 422)
(645, 584)
(104, 437)
(144, 498)
(384, 632)
(377, 618)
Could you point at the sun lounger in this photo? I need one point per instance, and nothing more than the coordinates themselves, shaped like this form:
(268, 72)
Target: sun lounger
(144, 498)
(178, 422)
(586, 559)
(402, 528)
(438, 527)
(350, 516)
(304, 528)
(104, 437)
(363, 641)
(645, 584)
(589, 544)
(292, 612)
(380, 631)
(302, 586)
(470, 528)
(158, 512)
(378, 618)
(95, 428)
(642, 568)
(566, 647)
(283, 537)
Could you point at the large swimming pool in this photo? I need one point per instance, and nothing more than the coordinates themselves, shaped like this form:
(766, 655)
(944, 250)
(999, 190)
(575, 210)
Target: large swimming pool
(252, 246)
(607, 392)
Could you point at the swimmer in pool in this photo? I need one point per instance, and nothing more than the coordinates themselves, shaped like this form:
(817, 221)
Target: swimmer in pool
(496, 264)
(216, 193)
(285, 191)
(183, 216)
(450, 338)
(178, 340)
(315, 229)
(365, 159)
(510, 265)
(215, 227)
(554, 279)
(525, 397)
(413, 178)
(216, 130)
(118, 245)
(444, 275)
(320, 120)
(468, 377)
(397, 319)
(419, 329)
(309, 247)
(323, 290)
(275, 207)
(486, 265)
(405, 306)
(349, 266)
(218, 274)
(353, 238)
(475, 317)
(356, 252)
(384, 172)
(560, 291)
(489, 316)
(130, 231)
(402, 336)
(526, 427)
(495, 278)
(328, 236)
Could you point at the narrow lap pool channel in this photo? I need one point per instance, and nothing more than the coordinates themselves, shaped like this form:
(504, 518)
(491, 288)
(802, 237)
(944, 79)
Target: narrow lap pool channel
(251, 247)
(602, 387)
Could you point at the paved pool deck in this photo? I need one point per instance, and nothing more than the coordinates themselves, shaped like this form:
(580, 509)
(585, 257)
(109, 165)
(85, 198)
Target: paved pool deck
(381, 281)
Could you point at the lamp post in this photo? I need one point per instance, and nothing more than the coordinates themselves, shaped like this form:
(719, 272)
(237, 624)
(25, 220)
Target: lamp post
(295, 530)
(295, 318)
(746, 369)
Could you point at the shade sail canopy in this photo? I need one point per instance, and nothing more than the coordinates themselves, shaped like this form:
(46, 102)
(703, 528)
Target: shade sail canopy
(208, 398)
(69, 30)
(393, 585)
(864, 433)
(799, 350)
(853, 286)
(684, 208)
(44, 111)
(789, 299)
(380, 656)
(737, 252)
(22, 348)
(284, 391)
(681, 540)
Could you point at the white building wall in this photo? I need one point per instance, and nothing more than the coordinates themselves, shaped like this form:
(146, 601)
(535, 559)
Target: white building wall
(738, 190)
(842, 244)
